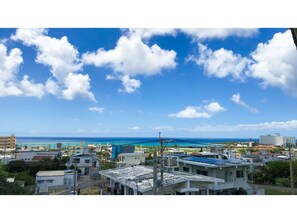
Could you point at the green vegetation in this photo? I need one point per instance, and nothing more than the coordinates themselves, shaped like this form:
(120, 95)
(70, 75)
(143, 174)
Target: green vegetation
(25, 172)
(277, 192)
(276, 173)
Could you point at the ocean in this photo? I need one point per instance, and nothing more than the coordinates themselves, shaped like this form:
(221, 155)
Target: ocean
(73, 141)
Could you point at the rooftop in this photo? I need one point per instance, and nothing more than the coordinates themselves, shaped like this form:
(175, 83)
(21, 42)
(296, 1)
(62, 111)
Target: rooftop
(141, 177)
(50, 173)
(210, 162)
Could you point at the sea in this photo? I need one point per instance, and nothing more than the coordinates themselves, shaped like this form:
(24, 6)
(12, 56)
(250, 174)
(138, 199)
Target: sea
(137, 141)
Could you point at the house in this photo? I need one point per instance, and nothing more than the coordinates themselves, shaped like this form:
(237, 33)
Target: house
(56, 179)
(29, 156)
(234, 172)
(139, 180)
(129, 159)
(83, 162)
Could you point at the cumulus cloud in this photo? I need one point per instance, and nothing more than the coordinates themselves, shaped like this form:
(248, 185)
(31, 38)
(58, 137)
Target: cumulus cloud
(31, 89)
(130, 84)
(285, 125)
(132, 57)
(147, 33)
(9, 85)
(275, 63)
(206, 111)
(77, 84)
(58, 54)
(63, 60)
(219, 33)
(96, 109)
(197, 34)
(221, 63)
(236, 99)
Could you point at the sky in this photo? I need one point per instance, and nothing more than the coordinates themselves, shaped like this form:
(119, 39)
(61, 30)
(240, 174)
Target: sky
(100, 82)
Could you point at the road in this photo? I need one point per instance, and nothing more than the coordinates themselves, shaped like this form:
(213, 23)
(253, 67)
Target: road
(83, 182)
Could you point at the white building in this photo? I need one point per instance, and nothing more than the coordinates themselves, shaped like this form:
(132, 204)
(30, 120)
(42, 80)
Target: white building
(138, 180)
(83, 162)
(277, 140)
(56, 179)
(129, 159)
(28, 156)
(234, 172)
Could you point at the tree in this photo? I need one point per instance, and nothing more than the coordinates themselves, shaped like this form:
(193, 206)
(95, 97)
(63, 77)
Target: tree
(16, 166)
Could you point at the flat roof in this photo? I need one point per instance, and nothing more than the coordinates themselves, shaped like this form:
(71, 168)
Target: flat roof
(210, 162)
(141, 177)
(50, 173)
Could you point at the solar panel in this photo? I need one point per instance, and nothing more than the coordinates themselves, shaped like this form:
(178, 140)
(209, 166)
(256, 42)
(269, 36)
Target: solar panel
(206, 160)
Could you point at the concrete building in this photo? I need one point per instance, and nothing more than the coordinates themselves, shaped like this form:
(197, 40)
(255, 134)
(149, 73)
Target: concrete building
(234, 172)
(57, 179)
(138, 180)
(277, 140)
(129, 159)
(7, 143)
(29, 156)
(83, 162)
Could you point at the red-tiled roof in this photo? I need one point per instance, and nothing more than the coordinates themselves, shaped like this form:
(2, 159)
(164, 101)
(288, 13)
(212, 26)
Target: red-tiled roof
(38, 158)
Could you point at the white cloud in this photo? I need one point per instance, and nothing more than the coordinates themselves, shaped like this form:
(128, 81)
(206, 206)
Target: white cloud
(195, 33)
(221, 63)
(132, 57)
(206, 111)
(77, 85)
(275, 63)
(285, 125)
(9, 85)
(130, 84)
(58, 54)
(63, 60)
(236, 99)
(96, 109)
(147, 33)
(52, 87)
(134, 128)
(31, 89)
(163, 127)
(220, 33)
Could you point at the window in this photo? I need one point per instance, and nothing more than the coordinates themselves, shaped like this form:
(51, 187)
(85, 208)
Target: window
(87, 161)
(40, 181)
(186, 169)
(76, 160)
(49, 181)
(239, 174)
(202, 172)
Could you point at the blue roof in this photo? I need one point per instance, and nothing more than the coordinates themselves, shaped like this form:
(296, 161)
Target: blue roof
(208, 160)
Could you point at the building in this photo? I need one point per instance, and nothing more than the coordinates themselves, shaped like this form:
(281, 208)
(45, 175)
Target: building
(82, 162)
(234, 172)
(7, 143)
(129, 159)
(117, 149)
(57, 179)
(29, 156)
(277, 140)
(139, 180)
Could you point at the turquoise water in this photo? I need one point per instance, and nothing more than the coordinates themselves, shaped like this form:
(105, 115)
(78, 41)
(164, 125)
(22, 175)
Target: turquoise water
(74, 141)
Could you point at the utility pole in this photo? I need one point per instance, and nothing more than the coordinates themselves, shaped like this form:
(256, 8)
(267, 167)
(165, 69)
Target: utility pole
(291, 170)
(155, 174)
(162, 161)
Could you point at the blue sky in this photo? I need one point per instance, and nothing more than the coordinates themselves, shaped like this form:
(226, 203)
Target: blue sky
(136, 82)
